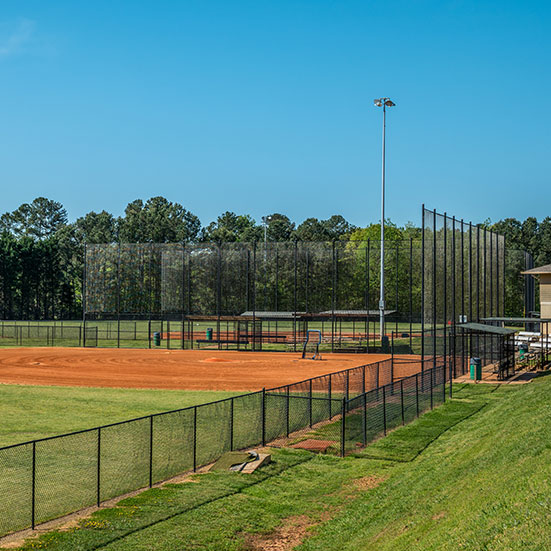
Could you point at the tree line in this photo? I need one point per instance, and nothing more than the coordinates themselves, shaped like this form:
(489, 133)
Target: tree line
(41, 251)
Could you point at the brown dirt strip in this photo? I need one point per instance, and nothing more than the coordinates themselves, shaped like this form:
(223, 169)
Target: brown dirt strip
(167, 369)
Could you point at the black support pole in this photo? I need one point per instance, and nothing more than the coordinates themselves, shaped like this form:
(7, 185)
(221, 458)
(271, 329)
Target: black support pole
(150, 451)
(263, 416)
(98, 470)
(343, 425)
(384, 410)
(33, 489)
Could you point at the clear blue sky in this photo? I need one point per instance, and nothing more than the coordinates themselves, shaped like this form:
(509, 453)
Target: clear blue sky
(262, 106)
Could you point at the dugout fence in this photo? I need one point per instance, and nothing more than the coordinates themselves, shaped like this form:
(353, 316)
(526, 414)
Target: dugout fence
(50, 477)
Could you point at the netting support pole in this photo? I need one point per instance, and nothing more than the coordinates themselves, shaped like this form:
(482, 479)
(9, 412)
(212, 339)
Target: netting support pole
(431, 388)
(98, 470)
(33, 490)
(119, 295)
(402, 401)
(231, 424)
(423, 289)
(434, 310)
(287, 412)
(384, 410)
(310, 404)
(264, 416)
(417, 393)
(343, 425)
(84, 300)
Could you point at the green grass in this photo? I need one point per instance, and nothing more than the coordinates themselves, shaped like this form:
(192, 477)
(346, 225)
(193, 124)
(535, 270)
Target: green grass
(472, 474)
(31, 412)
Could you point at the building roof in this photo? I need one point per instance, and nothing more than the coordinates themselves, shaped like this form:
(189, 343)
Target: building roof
(539, 271)
(481, 328)
(518, 320)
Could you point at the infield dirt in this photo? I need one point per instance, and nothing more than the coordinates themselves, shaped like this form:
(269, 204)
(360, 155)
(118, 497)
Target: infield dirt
(168, 369)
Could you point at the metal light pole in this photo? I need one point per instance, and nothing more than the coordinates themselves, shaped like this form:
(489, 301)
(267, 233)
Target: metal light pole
(384, 103)
(266, 220)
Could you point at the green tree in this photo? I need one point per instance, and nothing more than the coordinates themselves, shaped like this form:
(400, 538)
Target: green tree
(95, 227)
(39, 219)
(159, 221)
(231, 227)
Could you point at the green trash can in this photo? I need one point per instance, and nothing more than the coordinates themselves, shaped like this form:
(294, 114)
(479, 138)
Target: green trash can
(209, 333)
(157, 338)
(523, 350)
(476, 369)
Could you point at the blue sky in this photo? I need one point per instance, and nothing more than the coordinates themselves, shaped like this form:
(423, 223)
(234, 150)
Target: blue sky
(263, 107)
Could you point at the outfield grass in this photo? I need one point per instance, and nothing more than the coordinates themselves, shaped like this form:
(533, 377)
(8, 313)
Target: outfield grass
(31, 412)
(472, 474)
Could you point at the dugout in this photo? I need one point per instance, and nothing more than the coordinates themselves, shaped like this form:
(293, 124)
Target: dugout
(495, 346)
(532, 333)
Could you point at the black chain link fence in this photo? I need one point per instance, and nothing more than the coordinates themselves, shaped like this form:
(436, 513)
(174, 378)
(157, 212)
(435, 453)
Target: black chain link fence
(47, 478)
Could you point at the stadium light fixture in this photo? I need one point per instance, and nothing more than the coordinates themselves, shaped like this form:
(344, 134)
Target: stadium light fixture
(384, 103)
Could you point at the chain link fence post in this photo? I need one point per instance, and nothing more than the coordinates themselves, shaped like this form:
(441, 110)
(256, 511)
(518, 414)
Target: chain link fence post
(231, 424)
(98, 470)
(402, 400)
(33, 490)
(343, 425)
(417, 393)
(150, 451)
(194, 438)
(384, 409)
(264, 416)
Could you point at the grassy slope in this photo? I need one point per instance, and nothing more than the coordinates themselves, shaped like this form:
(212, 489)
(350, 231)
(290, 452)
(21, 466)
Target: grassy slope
(29, 412)
(473, 474)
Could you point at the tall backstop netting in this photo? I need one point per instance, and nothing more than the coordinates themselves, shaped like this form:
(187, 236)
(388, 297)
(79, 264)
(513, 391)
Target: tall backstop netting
(463, 276)
(255, 296)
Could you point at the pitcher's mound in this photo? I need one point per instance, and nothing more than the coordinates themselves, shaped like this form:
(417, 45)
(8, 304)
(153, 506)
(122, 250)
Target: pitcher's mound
(212, 360)
(314, 445)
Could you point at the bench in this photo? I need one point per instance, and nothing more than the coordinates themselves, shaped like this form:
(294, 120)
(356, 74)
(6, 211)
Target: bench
(220, 341)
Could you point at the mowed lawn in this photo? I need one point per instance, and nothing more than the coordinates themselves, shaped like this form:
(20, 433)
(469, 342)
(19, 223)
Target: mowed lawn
(30, 412)
(472, 474)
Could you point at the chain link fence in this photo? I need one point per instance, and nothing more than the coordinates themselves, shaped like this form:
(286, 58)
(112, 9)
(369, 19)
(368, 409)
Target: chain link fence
(47, 478)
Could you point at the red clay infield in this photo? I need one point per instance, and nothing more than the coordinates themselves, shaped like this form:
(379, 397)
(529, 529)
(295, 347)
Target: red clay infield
(167, 369)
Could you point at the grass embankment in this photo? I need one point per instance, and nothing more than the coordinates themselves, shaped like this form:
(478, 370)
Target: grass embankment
(31, 412)
(472, 474)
